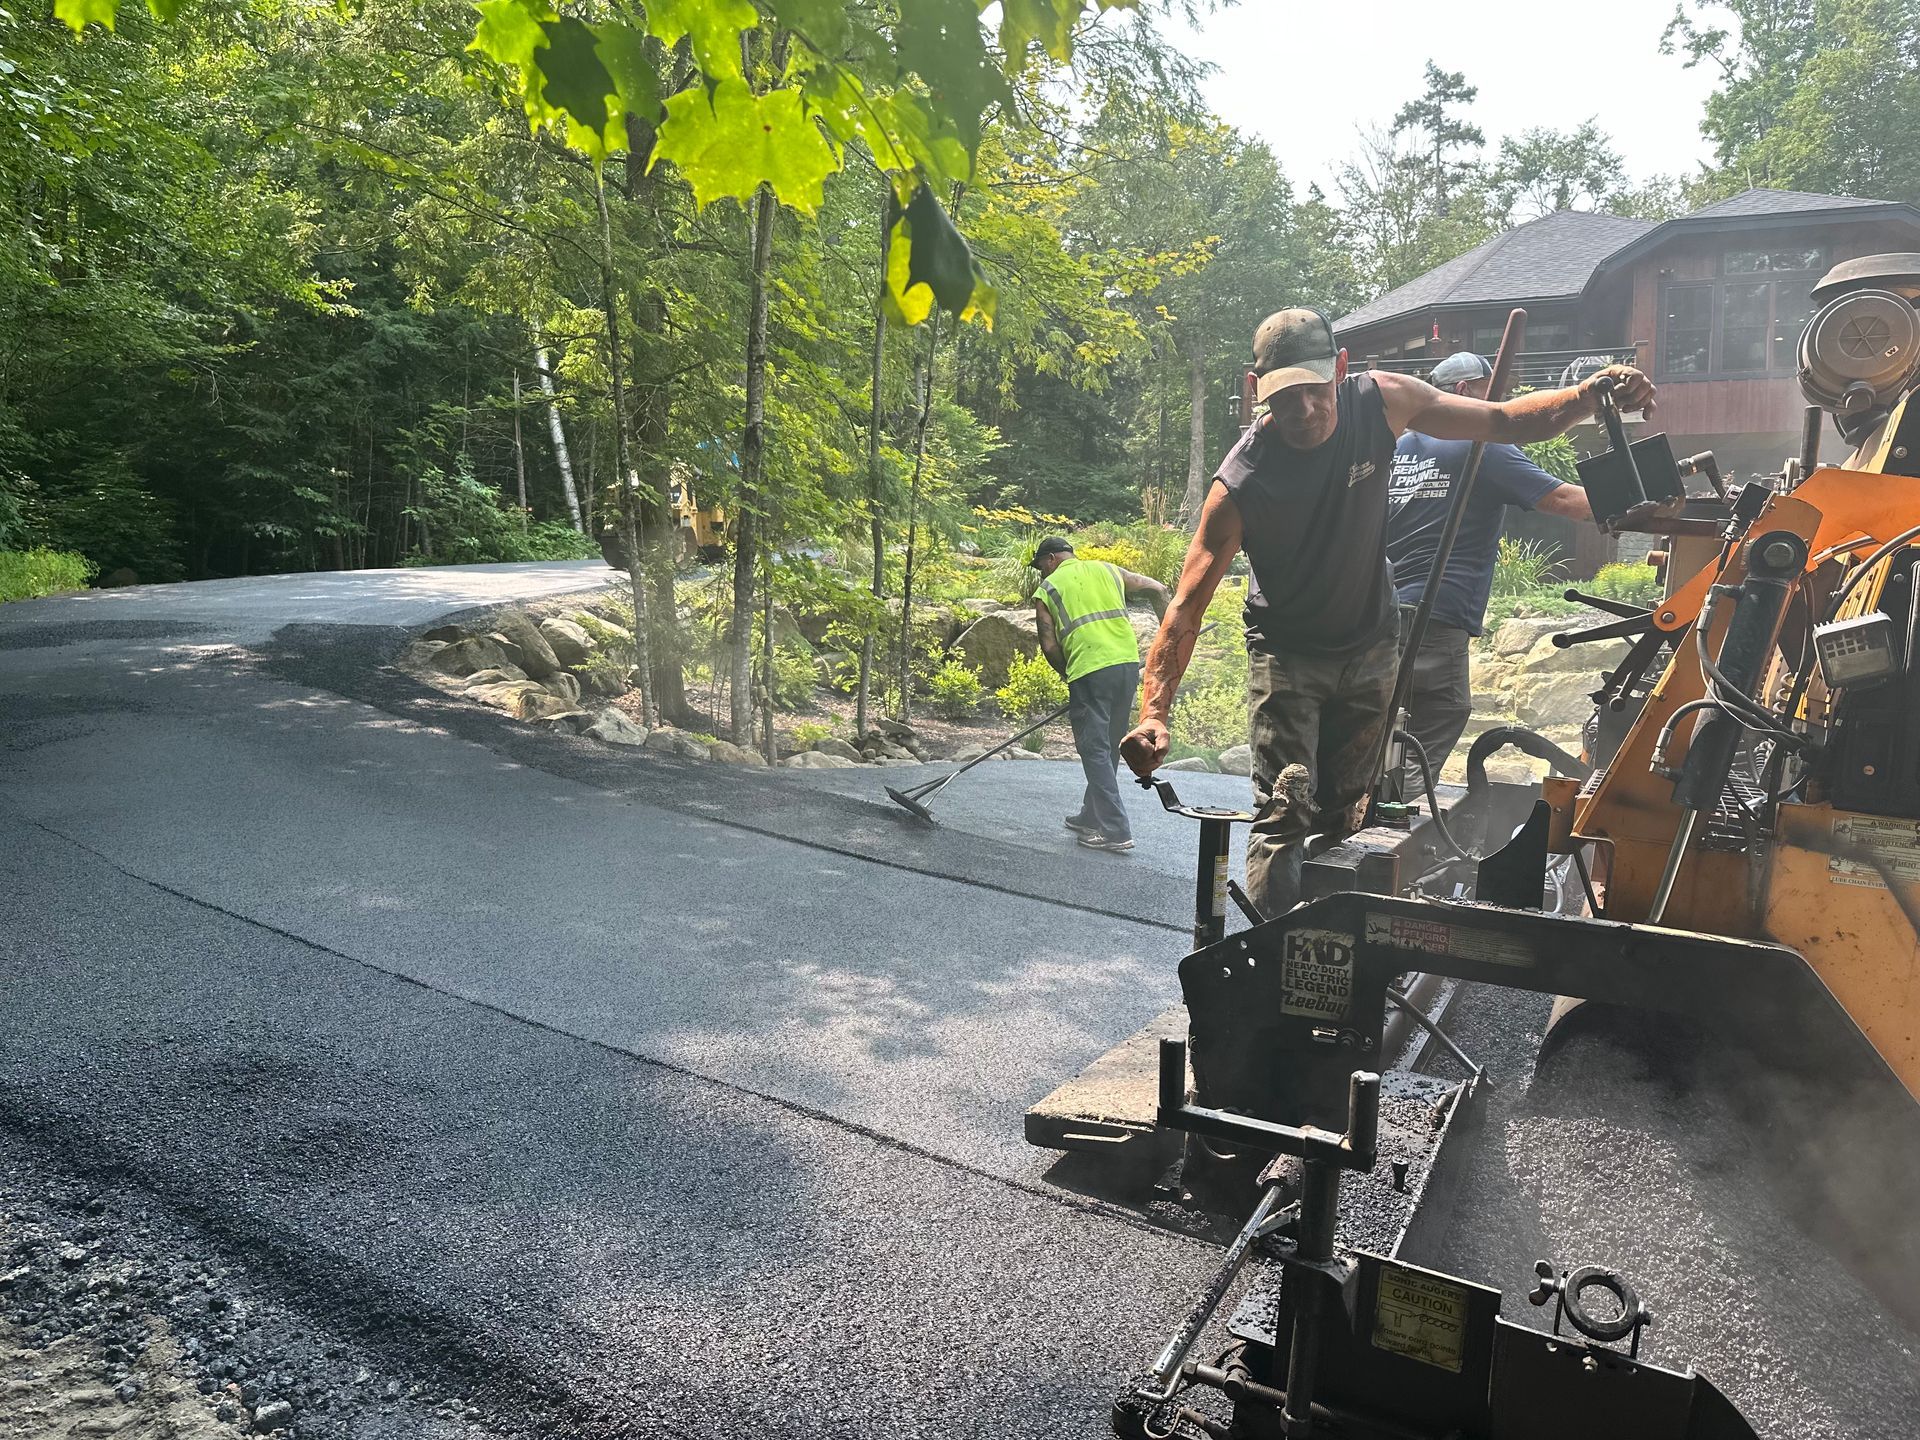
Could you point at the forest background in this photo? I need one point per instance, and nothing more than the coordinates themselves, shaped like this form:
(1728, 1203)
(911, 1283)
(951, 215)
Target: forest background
(289, 285)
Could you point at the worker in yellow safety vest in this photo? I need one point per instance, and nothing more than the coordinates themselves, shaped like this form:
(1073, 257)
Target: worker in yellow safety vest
(1080, 607)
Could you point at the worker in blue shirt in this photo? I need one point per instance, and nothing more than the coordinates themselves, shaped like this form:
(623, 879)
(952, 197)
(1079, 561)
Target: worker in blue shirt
(1425, 471)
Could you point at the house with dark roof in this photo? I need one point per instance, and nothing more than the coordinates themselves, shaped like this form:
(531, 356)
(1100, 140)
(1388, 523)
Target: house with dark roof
(1710, 305)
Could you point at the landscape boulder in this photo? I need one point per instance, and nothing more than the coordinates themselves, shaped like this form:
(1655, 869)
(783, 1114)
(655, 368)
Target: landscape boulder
(1192, 762)
(1563, 698)
(611, 637)
(836, 747)
(817, 760)
(524, 699)
(566, 686)
(729, 753)
(114, 579)
(464, 657)
(977, 606)
(494, 676)
(572, 646)
(1236, 760)
(612, 727)
(1545, 657)
(449, 633)
(1517, 636)
(678, 743)
(990, 644)
(536, 655)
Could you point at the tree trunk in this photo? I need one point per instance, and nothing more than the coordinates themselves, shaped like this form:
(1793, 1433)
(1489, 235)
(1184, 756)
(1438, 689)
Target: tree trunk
(873, 462)
(753, 443)
(1196, 493)
(653, 400)
(519, 450)
(560, 455)
(913, 517)
(628, 483)
(766, 663)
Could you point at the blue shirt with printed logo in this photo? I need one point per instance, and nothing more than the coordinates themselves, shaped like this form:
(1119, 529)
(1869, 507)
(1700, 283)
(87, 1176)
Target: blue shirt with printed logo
(1424, 473)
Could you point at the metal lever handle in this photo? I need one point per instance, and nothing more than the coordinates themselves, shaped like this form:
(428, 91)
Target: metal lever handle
(1351, 1151)
(1616, 431)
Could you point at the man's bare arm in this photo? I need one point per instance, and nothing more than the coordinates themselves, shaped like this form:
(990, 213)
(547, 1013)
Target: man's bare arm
(1215, 543)
(1049, 641)
(1145, 587)
(1412, 404)
(1568, 500)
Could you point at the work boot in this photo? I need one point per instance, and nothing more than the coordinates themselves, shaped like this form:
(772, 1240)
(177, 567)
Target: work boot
(1093, 840)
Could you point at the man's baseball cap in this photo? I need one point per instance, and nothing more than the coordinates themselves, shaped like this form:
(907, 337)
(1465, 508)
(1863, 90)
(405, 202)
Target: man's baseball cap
(1293, 347)
(1461, 365)
(1052, 545)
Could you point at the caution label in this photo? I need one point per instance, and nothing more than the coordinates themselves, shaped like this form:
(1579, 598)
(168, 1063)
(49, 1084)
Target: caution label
(1219, 884)
(1436, 937)
(1316, 974)
(1422, 1317)
(1880, 846)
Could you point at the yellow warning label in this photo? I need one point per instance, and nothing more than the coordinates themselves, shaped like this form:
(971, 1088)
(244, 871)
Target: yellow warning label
(1421, 1317)
(1219, 884)
(1316, 974)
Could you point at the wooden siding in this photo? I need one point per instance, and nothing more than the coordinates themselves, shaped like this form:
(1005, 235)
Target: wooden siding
(1730, 407)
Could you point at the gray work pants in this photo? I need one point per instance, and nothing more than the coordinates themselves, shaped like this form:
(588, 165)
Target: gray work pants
(1441, 701)
(1326, 714)
(1100, 708)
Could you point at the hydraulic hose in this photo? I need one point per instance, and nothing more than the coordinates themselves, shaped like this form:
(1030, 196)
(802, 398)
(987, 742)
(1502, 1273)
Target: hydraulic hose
(1433, 796)
(1530, 741)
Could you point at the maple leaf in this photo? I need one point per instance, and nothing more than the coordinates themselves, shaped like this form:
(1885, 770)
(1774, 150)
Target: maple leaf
(728, 145)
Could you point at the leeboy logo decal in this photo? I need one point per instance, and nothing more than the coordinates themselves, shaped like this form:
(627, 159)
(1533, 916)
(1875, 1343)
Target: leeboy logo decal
(1363, 470)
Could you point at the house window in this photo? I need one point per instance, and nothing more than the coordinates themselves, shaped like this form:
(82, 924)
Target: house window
(1747, 322)
(1753, 262)
(1689, 329)
(1486, 338)
(1746, 319)
(1792, 308)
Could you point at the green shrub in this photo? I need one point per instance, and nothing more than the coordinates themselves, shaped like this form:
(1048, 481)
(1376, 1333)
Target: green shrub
(809, 733)
(1523, 566)
(1212, 718)
(469, 524)
(1032, 689)
(956, 689)
(794, 676)
(1544, 603)
(25, 574)
(1633, 584)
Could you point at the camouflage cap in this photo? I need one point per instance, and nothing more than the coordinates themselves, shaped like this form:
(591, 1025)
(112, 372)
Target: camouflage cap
(1293, 347)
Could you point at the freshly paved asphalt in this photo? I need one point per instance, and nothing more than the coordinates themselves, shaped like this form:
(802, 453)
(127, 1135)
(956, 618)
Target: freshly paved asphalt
(684, 1116)
(671, 1099)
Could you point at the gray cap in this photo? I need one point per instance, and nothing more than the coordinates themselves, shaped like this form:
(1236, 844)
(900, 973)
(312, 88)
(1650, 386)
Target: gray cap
(1461, 365)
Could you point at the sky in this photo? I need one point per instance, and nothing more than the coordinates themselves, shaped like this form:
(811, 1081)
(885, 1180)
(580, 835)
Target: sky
(1307, 77)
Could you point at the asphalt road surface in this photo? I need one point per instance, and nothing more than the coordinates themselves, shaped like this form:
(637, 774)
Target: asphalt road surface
(434, 1075)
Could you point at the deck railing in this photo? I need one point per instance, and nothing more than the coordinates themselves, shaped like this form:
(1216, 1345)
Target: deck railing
(1533, 369)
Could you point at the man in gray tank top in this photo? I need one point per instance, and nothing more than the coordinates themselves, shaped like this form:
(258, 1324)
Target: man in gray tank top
(1304, 494)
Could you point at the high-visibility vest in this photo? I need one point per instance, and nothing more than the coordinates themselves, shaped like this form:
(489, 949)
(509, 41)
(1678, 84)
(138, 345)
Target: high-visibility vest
(1088, 602)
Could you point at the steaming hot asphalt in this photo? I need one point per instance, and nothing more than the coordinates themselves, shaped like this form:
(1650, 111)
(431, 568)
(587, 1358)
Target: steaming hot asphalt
(609, 1094)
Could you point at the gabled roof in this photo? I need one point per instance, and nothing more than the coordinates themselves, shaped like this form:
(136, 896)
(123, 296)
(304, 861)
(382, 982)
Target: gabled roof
(1775, 202)
(1548, 258)
(1558, 256)
(1753, 211)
